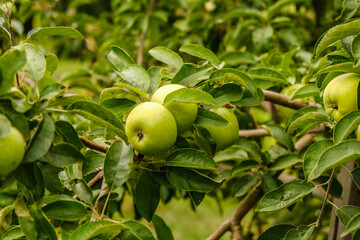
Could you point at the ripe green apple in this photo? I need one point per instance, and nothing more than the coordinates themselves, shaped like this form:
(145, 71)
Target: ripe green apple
(222, 136)
(12, 151)
(340, 95)
(151, 128)
(184, 113)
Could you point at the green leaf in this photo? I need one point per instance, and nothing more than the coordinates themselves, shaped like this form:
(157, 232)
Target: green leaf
(62, 155)
(251, 100)
(51, 178)
(209, 118)
(117, 164)
(236, 58)
(43, 227)
(280, 135)
(349, 9)
(242, 12)
(83, 191)
(337, 155)
(277, 232)
(340, 67)
(267, 75)
(355, 48)
(55, 31)
(251, 147)
(190, 180)
(69, 133)
(355, 174)
(155, 78)
(189, 73)
(13, 232)
(346, 125)
(163, 231)
(51, 90)
(227, 93)
(93, 161)
(119, 106)
(10, 62)
(190, 96)
(119, 58)
(243, 166)
(65, 210)
(133, 89)
(285, 161)
(35, 65)
(5, 212)
(300, 233)
(285, 195)
(353, 225)
(336, 33)
(147, 195)
(136, 76)
(167, 56)
(243, 185)
(346, 213)
(41, 141)
(51, 62)
(234, 152)
(312, 157)
(201, 52)
(305, 119)
(25, 220)
(309, 90)
(90, 230)
(30, 176)
(235, 76)
(190, 158)
(100, 115)
(139, 230)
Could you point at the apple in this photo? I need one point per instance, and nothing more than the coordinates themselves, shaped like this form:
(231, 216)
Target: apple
(151, 128)
(223, 136)
(12, 151)
(184, 113)
(340, 95)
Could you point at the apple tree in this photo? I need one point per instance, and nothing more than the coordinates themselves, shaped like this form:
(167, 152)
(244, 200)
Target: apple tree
(191, 124)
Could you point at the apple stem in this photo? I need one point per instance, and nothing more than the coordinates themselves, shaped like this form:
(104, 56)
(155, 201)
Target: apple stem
(140, 134)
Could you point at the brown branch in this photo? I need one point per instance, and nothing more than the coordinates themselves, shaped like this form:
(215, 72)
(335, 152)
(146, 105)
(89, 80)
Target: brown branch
(326, 197)
(140, 56)
(93, 145)
(283, 100)
(259, 132)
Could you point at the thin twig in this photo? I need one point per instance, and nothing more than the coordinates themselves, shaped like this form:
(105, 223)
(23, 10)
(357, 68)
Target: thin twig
(259, 132)
(93, 145)
(283, 100)
(325, 198)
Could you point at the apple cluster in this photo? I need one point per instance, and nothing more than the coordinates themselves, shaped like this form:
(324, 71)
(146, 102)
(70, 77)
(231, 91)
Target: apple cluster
(152, 127)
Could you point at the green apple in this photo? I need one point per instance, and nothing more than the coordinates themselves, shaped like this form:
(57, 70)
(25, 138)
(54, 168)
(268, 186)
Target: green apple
(285, 112)
(12, 151)
(340, 95)
(151, 128)
(222, 136)
(184, 113)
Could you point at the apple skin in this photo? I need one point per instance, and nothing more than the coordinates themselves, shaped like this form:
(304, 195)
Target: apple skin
(340, 95)
(12, 151)
(223, 136)
(151, 128)
(184, 113)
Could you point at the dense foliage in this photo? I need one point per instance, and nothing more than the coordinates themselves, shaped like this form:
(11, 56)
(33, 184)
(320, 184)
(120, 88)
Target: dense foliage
(267, 62)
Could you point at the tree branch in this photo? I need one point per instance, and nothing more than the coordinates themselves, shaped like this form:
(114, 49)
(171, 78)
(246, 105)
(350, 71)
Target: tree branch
(259, 132)
(92, 145)
(283, 100)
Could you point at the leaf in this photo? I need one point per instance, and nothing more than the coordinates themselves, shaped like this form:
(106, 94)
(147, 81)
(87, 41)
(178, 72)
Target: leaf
(190, 180)
(167, 56)
(147, 195)
(133, 89)
(163, 231)
(155, 78)
(280, 135)
(251, 100)
(336, 33)
(117, 164)
(209, 118)
(62, 155)
(10, 62)
(355, 47)
(243, 185)
(119, 106)
(69, 133)
(139, 230)
(236, 58)
(201, 52)
(13, 232)
(51, 62)
(346, 125)
(234, 76)
(355, 174)
(189, 73)
(65, 210)
(349, 8)
(337, 155)
(41, 141)
(309, 90)
(312, 157)
(43, 227)
(4, 212)
(305, 119)
(51, 178)
(267, 75)
(98, 114)
(285, 161)
(231, 153)
(90, 230)
(243, 166)
(352, 226)
(285, 195)
(93, 161)
(190, 158)
(25, 220)
(227, 93)
(277, 232)
(83, 191)
(55, 31)
(51, 90)
(119, 58)
(35, 65)
(136, 76)
(346, 213)
(250, 147)
(30, 176)
(300, 233)
(189, 96)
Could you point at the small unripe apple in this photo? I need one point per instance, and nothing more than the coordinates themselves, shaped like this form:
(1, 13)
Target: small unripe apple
(151, 128)
(184, 113)
(12, 151)
(340, 95)
(222, 136)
